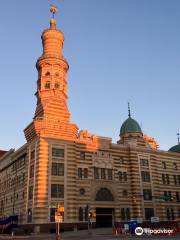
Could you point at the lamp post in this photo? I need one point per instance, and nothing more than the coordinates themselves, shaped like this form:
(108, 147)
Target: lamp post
(89, 215)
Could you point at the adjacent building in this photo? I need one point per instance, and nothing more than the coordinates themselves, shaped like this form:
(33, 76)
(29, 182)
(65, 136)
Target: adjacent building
(86, 174)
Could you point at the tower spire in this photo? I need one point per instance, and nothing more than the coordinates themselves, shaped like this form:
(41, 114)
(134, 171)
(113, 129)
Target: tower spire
(129, 110)
(178, 137)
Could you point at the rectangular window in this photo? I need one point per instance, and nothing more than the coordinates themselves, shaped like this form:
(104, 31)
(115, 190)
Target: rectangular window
(177, 197)
(175, 179)
(85, 173)
(23, 177)
(30, 192)
(167, 179)
(145, 176)
(125, 176)
(96, 173)
(128, 213)
(32, 154)
(31, 175)
(57, 190)
(80, 173)
(168, 214)
(147, 194)
(175, 166)
(120, 175)
(52, 214)
(144, 162)
(57, 169)
(82, 155)
(178, 179)
(172, 213)
(163, 178)
(149, 212)
(57, 152)
(109, 174)
(103, 173)
(163, 164)
(125, 214)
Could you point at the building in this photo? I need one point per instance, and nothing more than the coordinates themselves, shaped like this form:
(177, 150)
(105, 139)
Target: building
(87, 175)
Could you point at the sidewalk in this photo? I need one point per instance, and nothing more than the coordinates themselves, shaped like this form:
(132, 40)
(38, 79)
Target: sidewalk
(78, 233)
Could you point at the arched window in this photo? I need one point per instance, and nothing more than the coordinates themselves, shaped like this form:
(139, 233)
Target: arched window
(47, 74)
(56, 85)
(47, 85)
(80, 214)
(104, 195)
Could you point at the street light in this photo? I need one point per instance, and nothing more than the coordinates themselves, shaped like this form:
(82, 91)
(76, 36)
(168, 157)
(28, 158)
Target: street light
(89, 215)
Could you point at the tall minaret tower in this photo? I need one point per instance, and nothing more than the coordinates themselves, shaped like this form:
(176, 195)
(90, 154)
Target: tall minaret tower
(51, 127)
(52, 117)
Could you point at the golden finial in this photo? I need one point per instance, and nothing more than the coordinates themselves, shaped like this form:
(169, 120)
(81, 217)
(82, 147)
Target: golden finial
(53, 9)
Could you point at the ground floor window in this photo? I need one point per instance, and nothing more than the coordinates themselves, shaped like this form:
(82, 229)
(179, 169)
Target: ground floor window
(52, 214)
(179, 212)
(125, 214)
(80, 214)
(149, 212)
(170, 214)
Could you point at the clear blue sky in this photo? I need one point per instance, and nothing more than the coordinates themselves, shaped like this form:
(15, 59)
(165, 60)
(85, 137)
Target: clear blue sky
(118, 51)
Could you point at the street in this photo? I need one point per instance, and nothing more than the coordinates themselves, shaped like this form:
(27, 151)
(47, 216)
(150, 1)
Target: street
(94, 234)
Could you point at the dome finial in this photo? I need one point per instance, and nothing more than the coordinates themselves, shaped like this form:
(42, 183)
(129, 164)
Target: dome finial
(129, 110)
(53, 9)
(178, 137)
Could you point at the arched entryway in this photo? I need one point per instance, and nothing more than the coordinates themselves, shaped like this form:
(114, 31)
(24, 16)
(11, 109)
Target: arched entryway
(104, 215)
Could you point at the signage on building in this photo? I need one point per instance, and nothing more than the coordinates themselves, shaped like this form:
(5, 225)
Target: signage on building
(60, 209)
(154, 219)
(139, 220)
(58, 217)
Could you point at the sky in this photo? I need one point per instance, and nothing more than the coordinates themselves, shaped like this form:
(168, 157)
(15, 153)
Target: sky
(118, 51)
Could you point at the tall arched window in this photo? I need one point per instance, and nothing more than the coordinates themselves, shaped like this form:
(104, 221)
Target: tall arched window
(80, 214)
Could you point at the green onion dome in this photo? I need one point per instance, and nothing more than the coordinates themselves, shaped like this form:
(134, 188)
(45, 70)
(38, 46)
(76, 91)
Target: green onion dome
(130, 126)
(175, 148)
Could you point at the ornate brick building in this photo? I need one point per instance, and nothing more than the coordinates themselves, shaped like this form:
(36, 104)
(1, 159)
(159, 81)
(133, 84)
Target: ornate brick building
(61, 165)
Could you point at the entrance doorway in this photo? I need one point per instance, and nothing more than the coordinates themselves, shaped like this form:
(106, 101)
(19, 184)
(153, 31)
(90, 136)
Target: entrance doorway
(104, 217)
